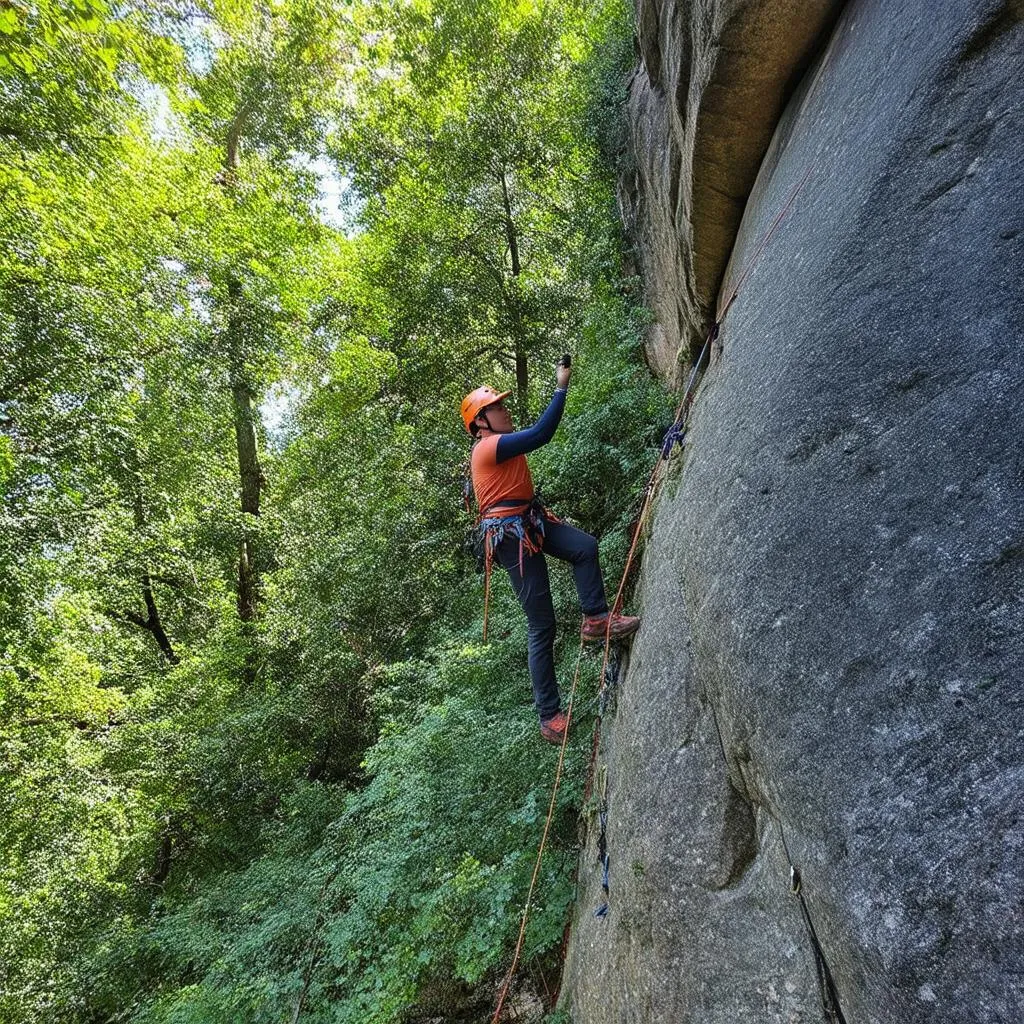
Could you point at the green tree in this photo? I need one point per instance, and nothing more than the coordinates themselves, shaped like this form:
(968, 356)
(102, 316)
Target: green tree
(263, 93)
(462, 142)
(254, 763)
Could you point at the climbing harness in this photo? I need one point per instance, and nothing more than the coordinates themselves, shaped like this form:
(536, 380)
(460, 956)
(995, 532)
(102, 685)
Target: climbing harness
(524, 520)
(609, 676)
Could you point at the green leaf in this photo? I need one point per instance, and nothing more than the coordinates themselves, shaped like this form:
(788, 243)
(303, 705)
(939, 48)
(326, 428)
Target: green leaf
(6, 460)
(22, 59)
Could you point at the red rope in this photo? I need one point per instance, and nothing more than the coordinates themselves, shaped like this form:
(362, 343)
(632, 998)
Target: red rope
(763, 243)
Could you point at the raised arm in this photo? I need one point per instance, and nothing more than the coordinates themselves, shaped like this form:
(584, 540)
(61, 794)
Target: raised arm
(530, 439)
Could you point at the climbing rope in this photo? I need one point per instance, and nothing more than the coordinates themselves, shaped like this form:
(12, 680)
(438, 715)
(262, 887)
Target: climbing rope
(641, 519)
(762, 245)
(674, 436)
(676, 430)
(544, 836)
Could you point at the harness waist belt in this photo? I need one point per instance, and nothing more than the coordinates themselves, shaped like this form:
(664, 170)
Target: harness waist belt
(508, 505)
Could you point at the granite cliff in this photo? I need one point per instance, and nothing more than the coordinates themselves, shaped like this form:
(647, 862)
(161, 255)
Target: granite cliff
(826, 694)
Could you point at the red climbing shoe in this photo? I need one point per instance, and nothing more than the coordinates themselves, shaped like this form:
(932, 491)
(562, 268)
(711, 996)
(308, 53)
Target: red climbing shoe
(553, 730)
(595, 627)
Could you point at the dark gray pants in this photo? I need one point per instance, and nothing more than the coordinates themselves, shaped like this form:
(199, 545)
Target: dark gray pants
(534, 592)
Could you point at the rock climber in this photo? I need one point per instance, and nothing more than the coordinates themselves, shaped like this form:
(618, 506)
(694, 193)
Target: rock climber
(518, 532)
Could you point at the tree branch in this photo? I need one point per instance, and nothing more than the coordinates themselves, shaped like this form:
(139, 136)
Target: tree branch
(234, 138)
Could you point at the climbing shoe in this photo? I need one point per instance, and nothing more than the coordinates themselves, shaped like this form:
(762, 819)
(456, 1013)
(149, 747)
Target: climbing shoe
(553, 730)
(595, 627)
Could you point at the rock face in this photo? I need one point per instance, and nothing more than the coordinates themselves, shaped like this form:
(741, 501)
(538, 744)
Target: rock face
(830, 675)
(703, 106)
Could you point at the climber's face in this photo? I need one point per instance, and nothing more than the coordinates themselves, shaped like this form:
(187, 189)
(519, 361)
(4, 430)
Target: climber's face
(499, 419)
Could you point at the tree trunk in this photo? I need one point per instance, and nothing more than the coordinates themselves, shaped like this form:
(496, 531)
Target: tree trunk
(249, 472)
(244, 417)
(510, 227)
(522, 381)
(234, 139)
(152, 622)
(515, 309)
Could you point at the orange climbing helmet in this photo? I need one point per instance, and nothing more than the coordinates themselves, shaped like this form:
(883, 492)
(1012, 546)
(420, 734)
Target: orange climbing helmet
(478, 400)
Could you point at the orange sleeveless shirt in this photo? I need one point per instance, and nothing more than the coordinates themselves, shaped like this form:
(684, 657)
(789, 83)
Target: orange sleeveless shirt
(494, 482)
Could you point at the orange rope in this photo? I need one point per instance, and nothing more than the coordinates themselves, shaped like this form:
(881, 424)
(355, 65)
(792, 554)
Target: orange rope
(649, 492)
(543, 838)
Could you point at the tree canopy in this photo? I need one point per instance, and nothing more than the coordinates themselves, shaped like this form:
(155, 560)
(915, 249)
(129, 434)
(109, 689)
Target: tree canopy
(255, 763)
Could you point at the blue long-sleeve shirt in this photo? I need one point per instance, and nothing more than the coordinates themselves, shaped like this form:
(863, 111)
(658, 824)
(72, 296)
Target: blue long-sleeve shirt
(522, 441)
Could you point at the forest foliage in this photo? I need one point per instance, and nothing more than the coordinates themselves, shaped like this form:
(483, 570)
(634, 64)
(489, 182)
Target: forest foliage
(255, 762)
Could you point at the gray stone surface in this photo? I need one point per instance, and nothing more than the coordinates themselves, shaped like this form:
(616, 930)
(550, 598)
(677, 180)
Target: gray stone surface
(834, 588)
(703, 105)
(701, 924)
